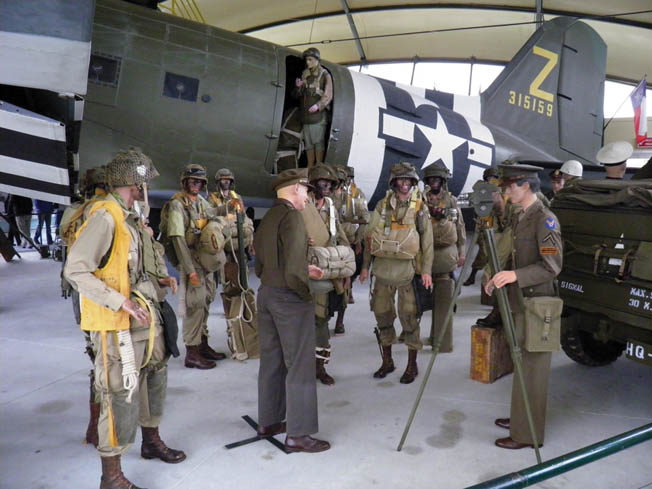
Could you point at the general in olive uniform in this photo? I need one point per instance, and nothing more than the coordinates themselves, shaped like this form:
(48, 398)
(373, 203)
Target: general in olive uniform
(449, 238)
(315, 92)
(286, 378)
(399, 238)
(183, 217)
(119, 307)
(535, 262)
(323, 227)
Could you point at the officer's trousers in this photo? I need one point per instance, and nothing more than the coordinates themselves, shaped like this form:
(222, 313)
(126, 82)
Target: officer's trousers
(286, 377)
(536, 369)
(382, 304)
(146, 407)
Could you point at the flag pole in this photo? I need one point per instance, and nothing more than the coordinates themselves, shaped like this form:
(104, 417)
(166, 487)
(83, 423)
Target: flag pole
(621, 105)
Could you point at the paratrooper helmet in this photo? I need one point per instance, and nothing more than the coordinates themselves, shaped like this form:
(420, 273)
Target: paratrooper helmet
(130, 167)
(193, 170)
(437, 169)
(403, 170)
(314, 52)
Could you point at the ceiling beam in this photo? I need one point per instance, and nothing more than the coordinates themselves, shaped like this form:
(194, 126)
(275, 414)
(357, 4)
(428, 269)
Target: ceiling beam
(458, 6)
(354, 31)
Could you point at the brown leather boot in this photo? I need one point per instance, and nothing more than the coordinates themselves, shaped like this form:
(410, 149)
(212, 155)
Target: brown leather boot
(411, 371)
(112, 476)
(207, 352)
(322, 375)
(154, 447)
(388, 364)
(91, 432)
(194, 358)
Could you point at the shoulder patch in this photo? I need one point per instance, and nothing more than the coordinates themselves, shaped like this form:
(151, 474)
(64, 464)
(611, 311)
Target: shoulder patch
(550, 223)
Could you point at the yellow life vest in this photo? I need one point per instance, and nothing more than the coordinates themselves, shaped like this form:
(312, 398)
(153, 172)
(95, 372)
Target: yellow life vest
(115, 274)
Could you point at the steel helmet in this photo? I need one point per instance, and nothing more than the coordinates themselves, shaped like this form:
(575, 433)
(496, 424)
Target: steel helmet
(224, 173)
(314, 52)
(130, 167)
(572, 167)
(322, 172)
(193, 170)
(403, 170)
(437, 169)
(490, 173)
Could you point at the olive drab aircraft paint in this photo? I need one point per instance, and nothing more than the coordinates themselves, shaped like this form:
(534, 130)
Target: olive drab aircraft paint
(190, 93)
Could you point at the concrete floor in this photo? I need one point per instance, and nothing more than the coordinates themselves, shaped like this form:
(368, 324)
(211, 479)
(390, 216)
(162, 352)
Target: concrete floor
(44, 396)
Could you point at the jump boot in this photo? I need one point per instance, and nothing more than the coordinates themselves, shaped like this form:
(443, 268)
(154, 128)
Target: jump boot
(154, 447)
(322, 375)
(411, 371)
(91, 431)
(388, 364)
(112, 476)
(194, 358)
(207, 352)
(493, 319)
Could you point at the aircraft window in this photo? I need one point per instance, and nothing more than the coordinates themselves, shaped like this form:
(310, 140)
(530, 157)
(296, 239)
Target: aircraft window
(104, 70)
(181, 87)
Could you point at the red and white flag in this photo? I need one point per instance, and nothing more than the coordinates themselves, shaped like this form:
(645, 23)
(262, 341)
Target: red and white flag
(640, 117)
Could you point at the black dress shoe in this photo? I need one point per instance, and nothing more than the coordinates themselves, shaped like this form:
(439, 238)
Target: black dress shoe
(305, 444)
(512, 445)
(272, 429)
(502, 422)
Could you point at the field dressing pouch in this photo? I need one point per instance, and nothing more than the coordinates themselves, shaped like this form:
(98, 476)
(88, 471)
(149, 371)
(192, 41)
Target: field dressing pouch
(115, 274)
(242, 325)
(393, 239)
(542, 323)
(335, 261)
(210, 248)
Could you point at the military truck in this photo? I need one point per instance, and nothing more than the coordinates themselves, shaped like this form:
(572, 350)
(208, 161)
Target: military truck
(606, 280)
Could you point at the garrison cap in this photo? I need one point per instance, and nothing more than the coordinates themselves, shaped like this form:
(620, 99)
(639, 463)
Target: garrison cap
(615, 153)
(290, 177)
(512, 172)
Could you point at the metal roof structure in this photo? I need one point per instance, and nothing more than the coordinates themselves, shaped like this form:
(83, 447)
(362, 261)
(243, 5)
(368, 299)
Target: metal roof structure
(355, 31)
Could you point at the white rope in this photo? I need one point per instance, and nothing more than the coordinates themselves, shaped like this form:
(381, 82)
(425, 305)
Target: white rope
(128, 357)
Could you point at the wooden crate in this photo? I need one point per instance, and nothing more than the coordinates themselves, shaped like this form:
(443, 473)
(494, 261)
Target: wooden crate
(490, 357)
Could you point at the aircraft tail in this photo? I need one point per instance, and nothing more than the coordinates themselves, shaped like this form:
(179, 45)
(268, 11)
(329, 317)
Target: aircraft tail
(551, 95)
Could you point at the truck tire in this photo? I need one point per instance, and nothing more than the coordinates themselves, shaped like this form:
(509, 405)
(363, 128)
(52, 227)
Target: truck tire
(582, 347)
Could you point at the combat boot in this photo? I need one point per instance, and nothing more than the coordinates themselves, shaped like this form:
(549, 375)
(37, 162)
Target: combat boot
(207, 352)
(153, 447)
(112, 476)
(91, 431)
(493, 319)
(194, 359)
(411, 371)
(471, 279)
(322, 375)
(388, 364)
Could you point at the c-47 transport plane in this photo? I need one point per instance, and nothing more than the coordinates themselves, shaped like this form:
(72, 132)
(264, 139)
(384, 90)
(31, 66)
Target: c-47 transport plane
(187, 92)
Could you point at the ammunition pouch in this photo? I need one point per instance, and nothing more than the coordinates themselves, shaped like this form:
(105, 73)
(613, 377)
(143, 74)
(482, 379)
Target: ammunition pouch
(542, 323)
(335, 261)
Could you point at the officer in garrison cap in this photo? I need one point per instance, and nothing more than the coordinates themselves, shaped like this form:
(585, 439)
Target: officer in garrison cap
(286, 319)
(613, 157)
(535, 261)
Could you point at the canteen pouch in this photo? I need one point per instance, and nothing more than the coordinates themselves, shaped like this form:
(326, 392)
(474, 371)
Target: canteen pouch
(335, 261)
(542, 323)
(242, 325)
